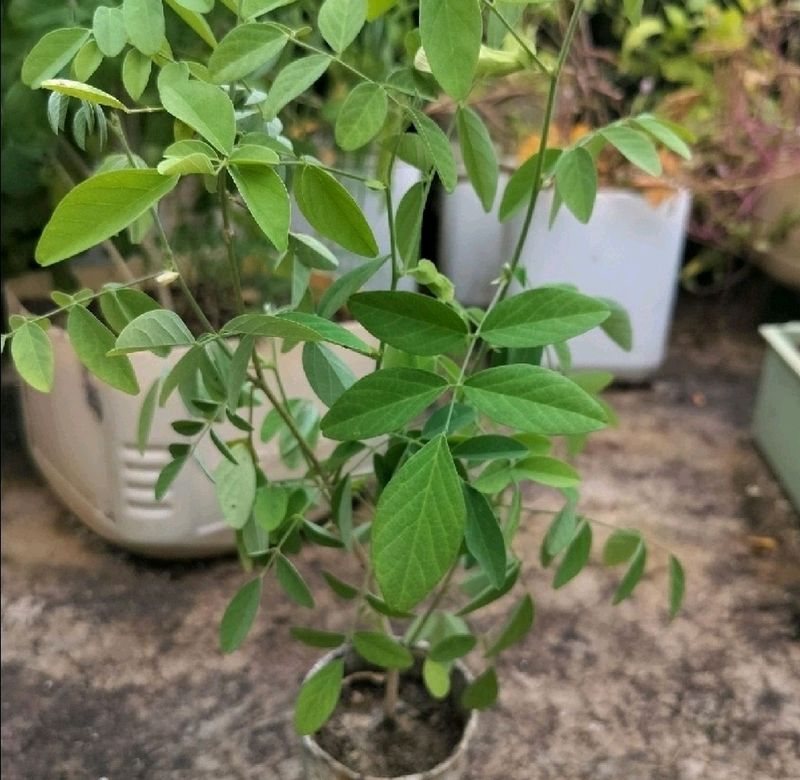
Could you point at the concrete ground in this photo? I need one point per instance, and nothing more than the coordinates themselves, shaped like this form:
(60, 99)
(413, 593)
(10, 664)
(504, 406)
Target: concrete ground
(110, 667)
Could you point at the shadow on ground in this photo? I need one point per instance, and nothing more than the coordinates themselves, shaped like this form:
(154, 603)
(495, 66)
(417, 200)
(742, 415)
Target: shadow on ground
(110, 667)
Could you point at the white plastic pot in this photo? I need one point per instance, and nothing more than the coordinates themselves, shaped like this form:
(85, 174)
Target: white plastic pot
(320, 765)
(631, 251)
(82, 436)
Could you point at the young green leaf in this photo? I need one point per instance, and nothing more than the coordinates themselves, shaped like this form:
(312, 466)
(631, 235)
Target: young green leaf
(452, 647)
(205, 108)
(292, 583)
(136, 69)
(239, 616)
(489, 447)
(328, 331)
(381, 402)
(82, 91)
(144, 22)
(168, 475)
(108, 26)
(408, 223)
(316, 638)
(97, 209)
(235, 485)
(153, 330)
(146, 414)
(339, 587)
(576, 182)
(618, 325)
(318, 697)
(677, 586)
(52, 54)
(576, 555)
(534, 399)
(267, 200)
(269, 326)
(519, 623)
(482, 692)
(633, 574)
(244, 50)
(480, 158)
(411, 322)
(340, 21)
(545, 315)
(32, 354)
(438, 147)
(436, 677)
(620, 546)
(559, 534)
(292, 81)
(663, 132)
(483, 536)
(451, 33)
(382, 650)
(548, 471)
(520, 186)
(86, 61)
(331, 209)
(418, 526)
(328, 375)
(490, 593)
(339, 292)
(91, 341)
(361, 116)
(634, 146)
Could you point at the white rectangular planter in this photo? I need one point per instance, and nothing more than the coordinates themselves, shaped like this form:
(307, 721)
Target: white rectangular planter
(82, 437)
(776, 423)
(630, 251)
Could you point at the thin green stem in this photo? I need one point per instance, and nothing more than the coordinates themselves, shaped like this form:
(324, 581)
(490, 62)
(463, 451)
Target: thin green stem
(433, 606)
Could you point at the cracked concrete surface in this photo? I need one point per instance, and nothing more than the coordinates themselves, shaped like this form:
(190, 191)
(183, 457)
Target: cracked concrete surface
(110, 666)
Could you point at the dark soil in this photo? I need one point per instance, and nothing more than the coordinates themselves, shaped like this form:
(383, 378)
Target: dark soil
(424, 733)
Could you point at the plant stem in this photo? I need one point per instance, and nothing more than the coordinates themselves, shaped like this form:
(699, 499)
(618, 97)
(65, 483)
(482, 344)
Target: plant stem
(435, 601)
(228, 237)
(517, 37)
(391, 694)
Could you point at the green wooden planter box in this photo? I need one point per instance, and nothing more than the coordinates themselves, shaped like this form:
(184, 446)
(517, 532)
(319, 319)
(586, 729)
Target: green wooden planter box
(777, 416)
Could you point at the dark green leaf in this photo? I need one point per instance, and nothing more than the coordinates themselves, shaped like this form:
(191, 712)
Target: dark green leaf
(633, 574)
(239, 616)
(146, 413)
(490, 593)
(408, 223)
(519, 623)
(452, 647)
(620, 546)
(340, 291)
(479, 155)
(267, 200)
(519, 189)
(167, 476)
(339, 587)
(576, 555)
(484, 538)
(292, 583)
(489, 447)
(318, 697)
(328, 375)
(342, 509)
(382, 650)
(677, 586)
(235, 485)
(482, 692)
(559, 534)
(438, 147)
(315, 638)
(576, 182)
(618, 325)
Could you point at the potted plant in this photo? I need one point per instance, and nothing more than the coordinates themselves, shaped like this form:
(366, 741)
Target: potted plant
(455, 415)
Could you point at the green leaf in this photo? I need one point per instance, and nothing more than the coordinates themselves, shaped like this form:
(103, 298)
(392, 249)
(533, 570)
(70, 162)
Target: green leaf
(292, 583)
(342, 510)
(340, 21)
(490, 447)
(267, 200)
(193, 20)
(167, 476)
(451, 33)
(381, 402)
(312, 253)
(239, 616)
(153, 330)
(559, 534)
(340, 291)
(270, 506)
(86, 61)
(328, 331)
(318, 697)
(548, 471)
(519, 623)
(534, 399)
(452, 647)
(91, 341)
(331, 210)
(340, 588)
(411, 322)
(136, 73)
(490, 593)
(663, 132)
(382, 650)
(99, 208)
(181, 166)
(546, 315)
(146, 413)
(235, 485)
(576, 182)
(362, 115)
(315, 638)
(633, 10)
(620, 546)
(144, 21)
(32, 354)
(635, 147)
(328, 375)
(52, 54)
(483, 537)
(203, 107)
(83, 92)
(482, 692)
(253, 155)
(418, 526)
(618, 325)
(677, 586)
(244, 50)
(480, 158)
(269, 326)
(436, 677)
(633, 574)
(438, 147)
(520, 185)
(408, 222)
(292, 81)
(576, 555)
(382, 608)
